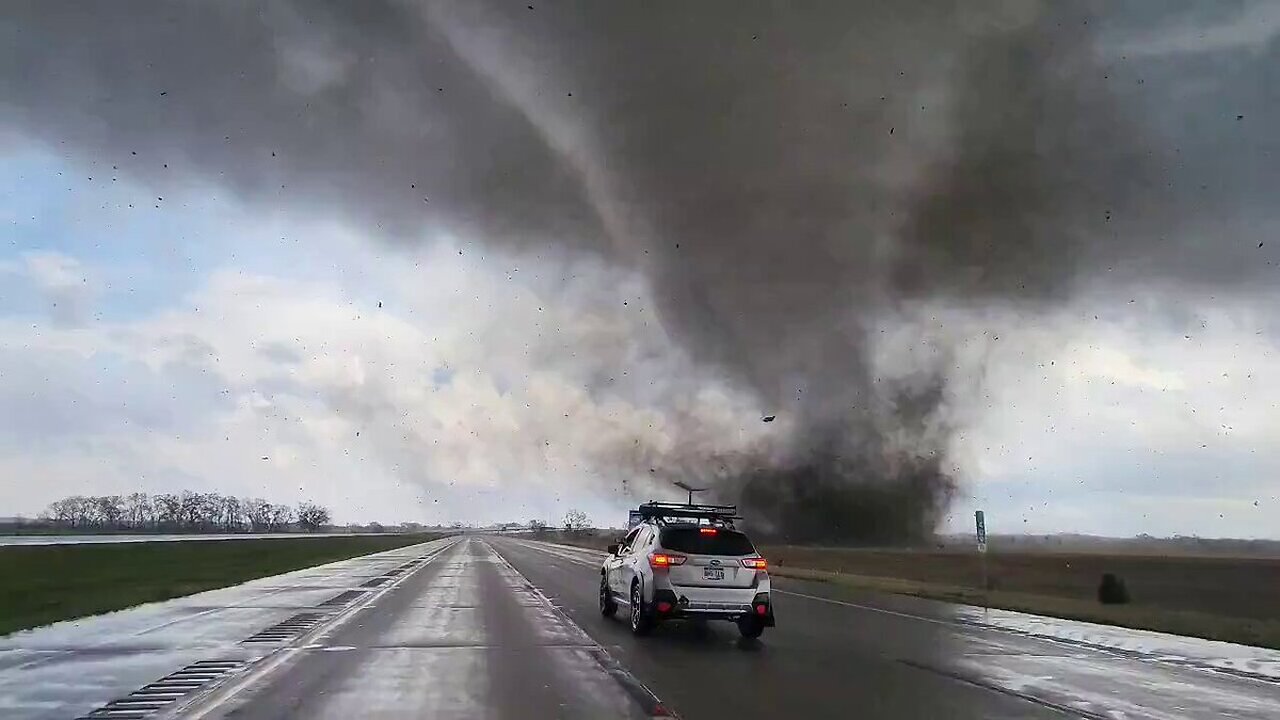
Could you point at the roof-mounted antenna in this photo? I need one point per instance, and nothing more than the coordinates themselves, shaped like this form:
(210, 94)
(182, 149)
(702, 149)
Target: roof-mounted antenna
(692, 490)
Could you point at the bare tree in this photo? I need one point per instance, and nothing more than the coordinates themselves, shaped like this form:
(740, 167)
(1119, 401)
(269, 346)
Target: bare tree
(537, 525)
(168, 510)
(186, 512)
(191, 504)
(230, 513)
(63, 512)
(281, 517)
(312, 516)
(108, 510)
(81, 511)
(210, 511)
(576, 521)
(138, 511)
(258, 512)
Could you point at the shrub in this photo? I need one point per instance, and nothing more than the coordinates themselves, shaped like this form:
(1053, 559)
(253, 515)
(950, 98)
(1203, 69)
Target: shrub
(1112, 591)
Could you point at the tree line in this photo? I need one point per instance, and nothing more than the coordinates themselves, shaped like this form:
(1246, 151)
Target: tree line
(575, 521)
(187, 511)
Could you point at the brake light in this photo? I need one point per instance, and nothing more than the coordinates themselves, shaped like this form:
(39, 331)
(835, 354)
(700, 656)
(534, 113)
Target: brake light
(755, 563)
(762, 610)
(665, 560)
(707, 531)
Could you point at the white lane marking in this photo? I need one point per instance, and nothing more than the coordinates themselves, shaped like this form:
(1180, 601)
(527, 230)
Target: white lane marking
(552, 550)
(1067, 664)
(858, 606)
(629, 684)
(537, 545)
(1218, 666)
(872, 608)
(547, 548)
(205, 703)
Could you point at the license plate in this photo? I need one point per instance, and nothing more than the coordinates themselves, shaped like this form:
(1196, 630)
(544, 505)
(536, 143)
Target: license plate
(713, 573)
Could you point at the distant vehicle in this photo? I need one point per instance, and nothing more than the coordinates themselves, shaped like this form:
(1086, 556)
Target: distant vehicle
(686, 562)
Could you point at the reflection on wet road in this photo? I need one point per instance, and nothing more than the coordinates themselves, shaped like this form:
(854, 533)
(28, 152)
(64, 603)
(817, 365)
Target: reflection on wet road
(70, 668)
(497, 627)
(896, 657)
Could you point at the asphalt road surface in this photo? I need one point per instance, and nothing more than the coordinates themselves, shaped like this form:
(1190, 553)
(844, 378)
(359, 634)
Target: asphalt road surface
(498, 627)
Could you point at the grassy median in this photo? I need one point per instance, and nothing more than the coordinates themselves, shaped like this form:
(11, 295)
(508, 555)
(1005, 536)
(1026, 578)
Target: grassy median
(47, 583)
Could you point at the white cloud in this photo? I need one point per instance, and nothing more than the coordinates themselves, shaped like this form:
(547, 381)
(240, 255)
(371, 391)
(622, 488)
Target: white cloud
(475, 376)
(1084, 416)
(491, 387)
(488, 387)
(64, 284)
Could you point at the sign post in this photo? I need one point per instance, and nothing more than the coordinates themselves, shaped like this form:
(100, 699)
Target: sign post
(980, 523)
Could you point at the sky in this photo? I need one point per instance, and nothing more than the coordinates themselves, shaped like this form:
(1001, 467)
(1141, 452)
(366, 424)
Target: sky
(169, 319)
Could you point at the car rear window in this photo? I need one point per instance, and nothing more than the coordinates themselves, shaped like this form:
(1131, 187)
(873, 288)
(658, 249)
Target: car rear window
(695, 542)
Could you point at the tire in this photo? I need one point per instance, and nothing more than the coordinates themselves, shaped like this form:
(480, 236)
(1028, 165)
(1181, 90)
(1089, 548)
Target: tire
(641, 620)
(608, 607)
(751, 627)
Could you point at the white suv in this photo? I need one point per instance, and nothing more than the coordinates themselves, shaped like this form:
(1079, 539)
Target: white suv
(687, 562)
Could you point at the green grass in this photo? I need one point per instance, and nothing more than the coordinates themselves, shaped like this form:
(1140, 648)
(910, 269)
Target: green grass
(44, 584)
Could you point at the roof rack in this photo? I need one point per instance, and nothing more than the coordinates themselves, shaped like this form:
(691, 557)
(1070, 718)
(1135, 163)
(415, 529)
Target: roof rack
(667, 512)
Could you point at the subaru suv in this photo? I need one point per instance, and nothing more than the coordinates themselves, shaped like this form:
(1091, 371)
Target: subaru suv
(683, 562)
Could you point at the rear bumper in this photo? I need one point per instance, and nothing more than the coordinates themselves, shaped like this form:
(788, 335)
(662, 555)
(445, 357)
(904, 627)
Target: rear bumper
(671, 605)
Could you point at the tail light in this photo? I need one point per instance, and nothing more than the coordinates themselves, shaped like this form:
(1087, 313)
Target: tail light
(661, 560)
(760, 605)
(707, 531)
(755, 563)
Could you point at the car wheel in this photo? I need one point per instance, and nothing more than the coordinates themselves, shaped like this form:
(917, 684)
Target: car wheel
(751, 627)
(608, 607)
(641, 622)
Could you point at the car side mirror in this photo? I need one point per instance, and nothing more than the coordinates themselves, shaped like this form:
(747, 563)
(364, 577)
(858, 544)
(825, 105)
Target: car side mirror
(613, 549)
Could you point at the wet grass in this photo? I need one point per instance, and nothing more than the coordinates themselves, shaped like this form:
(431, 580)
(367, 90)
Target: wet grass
(44, 584)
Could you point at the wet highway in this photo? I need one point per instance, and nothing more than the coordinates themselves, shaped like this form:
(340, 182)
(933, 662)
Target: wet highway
(499, 627)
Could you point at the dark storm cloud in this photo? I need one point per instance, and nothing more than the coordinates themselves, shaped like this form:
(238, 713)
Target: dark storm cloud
(358, 110)
(783, 177)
